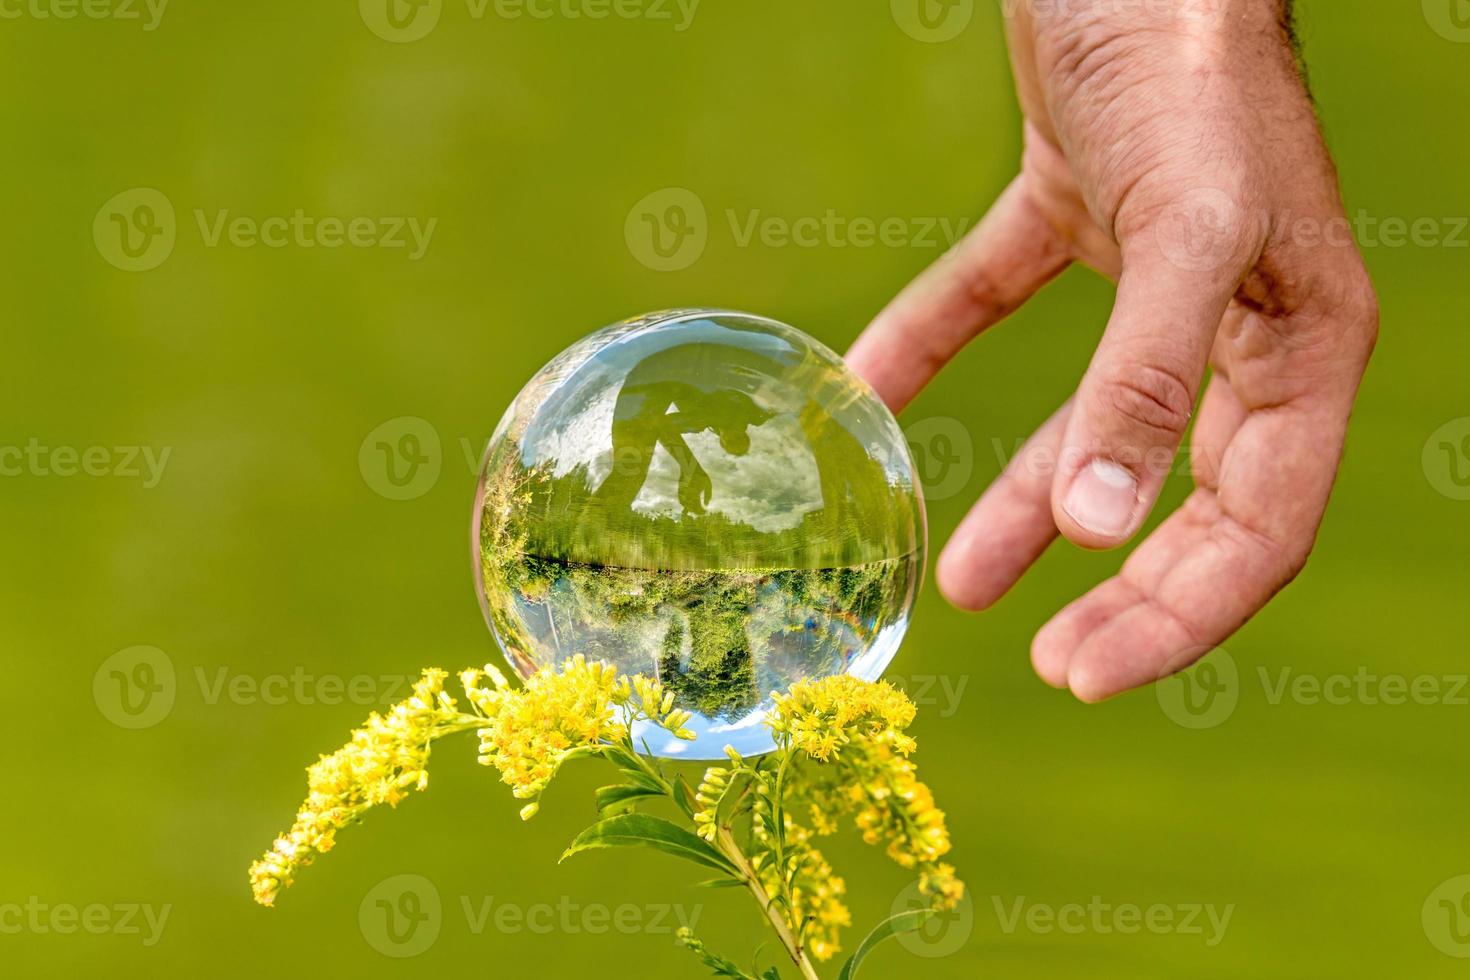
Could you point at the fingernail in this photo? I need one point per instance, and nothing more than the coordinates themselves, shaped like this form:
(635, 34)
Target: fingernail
(1102, 498)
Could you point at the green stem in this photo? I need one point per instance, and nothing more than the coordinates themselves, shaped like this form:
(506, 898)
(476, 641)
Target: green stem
(778, 816)
(778, 921)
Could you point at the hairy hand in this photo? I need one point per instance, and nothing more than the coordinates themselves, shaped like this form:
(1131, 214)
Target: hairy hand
(1173, 148)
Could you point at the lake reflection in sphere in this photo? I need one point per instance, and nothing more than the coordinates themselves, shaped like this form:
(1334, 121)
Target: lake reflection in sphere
(707, 497)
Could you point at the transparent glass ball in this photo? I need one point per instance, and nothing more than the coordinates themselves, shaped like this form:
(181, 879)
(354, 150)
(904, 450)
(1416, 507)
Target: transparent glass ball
(706, 497)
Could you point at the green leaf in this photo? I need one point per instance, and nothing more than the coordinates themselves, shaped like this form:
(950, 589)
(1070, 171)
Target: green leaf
(894, 926)
(683, 796)
(620, 798)
(640, 829)
(721, 883)
(771, 974)
(640, 778)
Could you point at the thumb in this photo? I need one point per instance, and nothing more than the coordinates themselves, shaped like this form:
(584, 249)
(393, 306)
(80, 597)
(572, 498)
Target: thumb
(1139, 393)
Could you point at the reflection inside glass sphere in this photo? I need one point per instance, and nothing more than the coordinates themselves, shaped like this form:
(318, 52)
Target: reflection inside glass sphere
(707, 497)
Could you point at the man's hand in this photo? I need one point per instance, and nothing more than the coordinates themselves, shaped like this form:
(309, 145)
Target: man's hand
(1176, 151)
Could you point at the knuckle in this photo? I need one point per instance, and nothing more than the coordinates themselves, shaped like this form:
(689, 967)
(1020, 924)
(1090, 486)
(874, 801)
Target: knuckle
(1291, 557)
(1283, 556)
(1152, 398)
(1080, 43)
(1361, 313)
(1341, 317)
(1198, 227)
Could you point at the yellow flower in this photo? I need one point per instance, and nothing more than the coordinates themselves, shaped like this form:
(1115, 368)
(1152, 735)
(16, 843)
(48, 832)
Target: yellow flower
(896, 807)
(854, 730)
(942, 887)
(384, 761)
(654, 703)
(709, 795)
(527, 733)
(842, 750)
(820, 717)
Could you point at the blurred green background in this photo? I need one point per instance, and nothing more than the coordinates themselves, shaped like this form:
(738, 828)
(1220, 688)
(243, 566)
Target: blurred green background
(266, 548)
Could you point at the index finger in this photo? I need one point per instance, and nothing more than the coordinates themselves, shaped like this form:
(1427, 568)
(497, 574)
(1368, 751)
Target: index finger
(1011, 254)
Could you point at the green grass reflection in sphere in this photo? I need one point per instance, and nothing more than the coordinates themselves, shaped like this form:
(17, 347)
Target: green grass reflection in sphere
(707, 497)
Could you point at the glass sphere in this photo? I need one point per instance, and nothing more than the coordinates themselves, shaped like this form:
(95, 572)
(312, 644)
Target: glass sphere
(706, 497)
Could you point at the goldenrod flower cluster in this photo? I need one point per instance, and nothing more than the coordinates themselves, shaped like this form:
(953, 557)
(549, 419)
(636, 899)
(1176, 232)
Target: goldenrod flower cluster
(384, 761)
(529, 732)
(895, 808)
(819, 717)
(653, 703)
(709, 796)
(858, 727)
(940, 884)
(842, 751)
(525, 733)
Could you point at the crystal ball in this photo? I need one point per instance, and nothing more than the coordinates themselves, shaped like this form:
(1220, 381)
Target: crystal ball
(707, 497)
